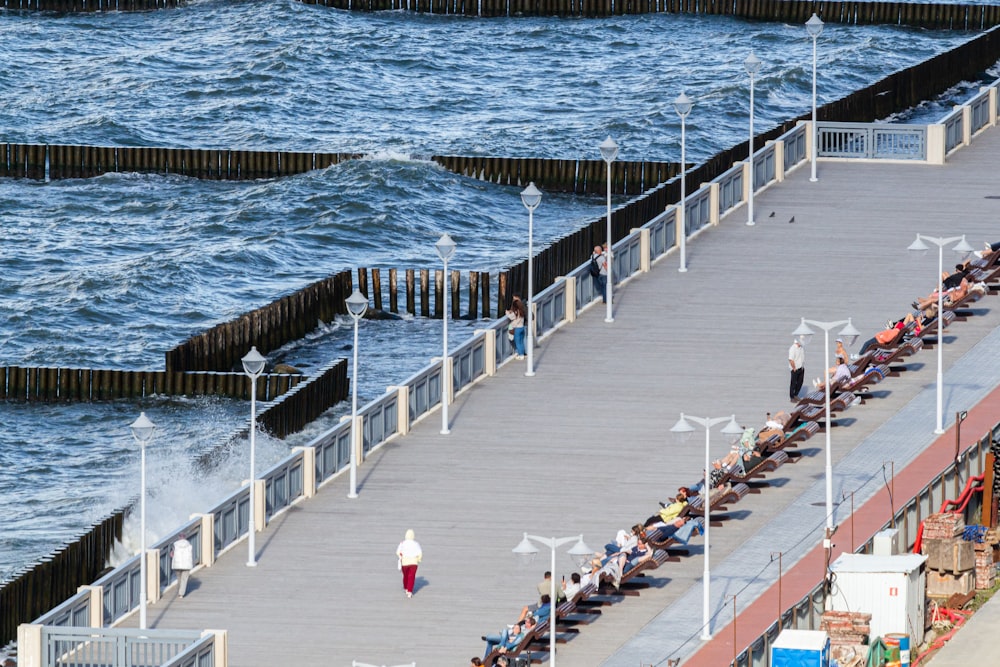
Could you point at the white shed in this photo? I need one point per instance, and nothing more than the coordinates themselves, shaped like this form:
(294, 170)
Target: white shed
(890, 588)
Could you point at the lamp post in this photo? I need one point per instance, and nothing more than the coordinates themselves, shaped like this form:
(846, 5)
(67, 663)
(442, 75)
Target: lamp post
(445, 249)
(357, 304)
(961, 247)
(684, 428)
(531, 197)
(805, 334)
(609, 151)
(253, 366)
(526, 552)
(142, 430)
(682, 105)
(814, 26)
(752, 66)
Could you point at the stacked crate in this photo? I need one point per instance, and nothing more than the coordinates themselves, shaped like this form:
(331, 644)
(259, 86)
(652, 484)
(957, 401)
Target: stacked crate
(848, 631)
(951, 561)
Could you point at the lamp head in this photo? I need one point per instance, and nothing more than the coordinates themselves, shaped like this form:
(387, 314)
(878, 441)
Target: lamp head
(357, 303)
(962, 247)
(683, 105)
(751, 64)
(918, 246)
(142, 429)
(445, 247)
(531, 197)
(804, 333)
(525, 551)
(682, 429)
(814, 26)
(732, 430)
(253, 363)
(580, 553)
(609, 150)
(849, 333)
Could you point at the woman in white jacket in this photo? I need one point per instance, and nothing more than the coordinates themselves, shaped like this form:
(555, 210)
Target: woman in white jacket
(409, 554)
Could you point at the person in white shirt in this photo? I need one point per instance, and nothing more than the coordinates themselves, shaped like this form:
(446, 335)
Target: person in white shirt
(181, 562)
(410, 555)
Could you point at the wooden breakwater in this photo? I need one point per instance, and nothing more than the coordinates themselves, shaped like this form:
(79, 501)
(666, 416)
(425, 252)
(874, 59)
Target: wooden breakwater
(53, 161)
(90, 5)
(18, 383)
(39, 587)
(269, 327)
(922, 15)
(582, 177)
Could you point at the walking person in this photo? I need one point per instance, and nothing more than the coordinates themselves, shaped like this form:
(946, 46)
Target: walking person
(516, 314)
(409, 554)
(181, 562)
(796, 361)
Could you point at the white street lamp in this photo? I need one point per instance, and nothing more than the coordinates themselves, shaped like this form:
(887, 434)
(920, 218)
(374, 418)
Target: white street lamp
(357, 304)
(445, 249)
(253, 366)
(814, 26)
(682, 105)
(609, 151)
(752, 66)
(961, 247)
(531, 197)
(850, 335)
(526, 552)
(142, 431)
(732, 429)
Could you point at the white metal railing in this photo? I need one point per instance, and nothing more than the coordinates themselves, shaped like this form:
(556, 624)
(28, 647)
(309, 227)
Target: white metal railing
(478, 357)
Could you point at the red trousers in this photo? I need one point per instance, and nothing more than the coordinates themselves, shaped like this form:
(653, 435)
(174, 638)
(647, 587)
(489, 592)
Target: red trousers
(409, 574)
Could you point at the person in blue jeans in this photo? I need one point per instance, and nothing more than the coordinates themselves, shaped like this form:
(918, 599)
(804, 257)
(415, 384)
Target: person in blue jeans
(507, 639)
(516, 314)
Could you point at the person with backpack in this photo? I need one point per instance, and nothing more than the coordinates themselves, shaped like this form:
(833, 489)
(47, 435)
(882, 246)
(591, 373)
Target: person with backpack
(599, 272)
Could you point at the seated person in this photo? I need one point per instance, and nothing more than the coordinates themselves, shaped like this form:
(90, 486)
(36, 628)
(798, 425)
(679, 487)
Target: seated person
(573, 587)
(540, 611)
(506, 640)
(949, 296)
(625, 539)
(838, 375)
(741, 451)
(671, 511)
(475, 662)
(840, 354)
(680, 529)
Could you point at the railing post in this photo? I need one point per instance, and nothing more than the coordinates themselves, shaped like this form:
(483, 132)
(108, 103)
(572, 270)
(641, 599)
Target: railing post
(403, 407)
(260, 499)
(747, 179)
(569, 298)
(966, 124)
(152, 575)
(645, 247)
(993, 103)
(207, 535)
(489, 351)
(714, 214)
(936, 139)
(779, 160)
(220, 647)
(96, 604)
(680, 225)
(30, 652)
(308, 470)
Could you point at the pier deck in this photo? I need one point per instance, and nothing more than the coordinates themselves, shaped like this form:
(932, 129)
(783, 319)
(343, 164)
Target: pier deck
(584, 446)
